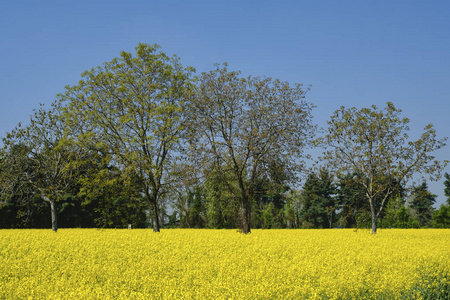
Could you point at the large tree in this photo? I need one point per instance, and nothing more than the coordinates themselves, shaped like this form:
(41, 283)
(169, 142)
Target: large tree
(242, 124)
(374, 143)
(133, 106)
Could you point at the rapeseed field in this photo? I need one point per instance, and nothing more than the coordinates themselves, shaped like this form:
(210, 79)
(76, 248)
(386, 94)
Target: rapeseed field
(224, 264)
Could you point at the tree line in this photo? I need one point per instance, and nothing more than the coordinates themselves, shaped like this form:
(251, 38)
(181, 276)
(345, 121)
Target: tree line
(142, 140)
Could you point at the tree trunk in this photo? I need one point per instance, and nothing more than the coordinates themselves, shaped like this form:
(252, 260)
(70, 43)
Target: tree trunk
(246, 213)
(374, 218)
(52, 203)
(54, 215)
(155, 217)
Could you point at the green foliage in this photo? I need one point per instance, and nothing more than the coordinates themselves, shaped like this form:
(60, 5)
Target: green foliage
(133, 106)
(422, 204)
(374, 144)
(37, 159)
(222, 208)
(447, 187)
(136, 132)
(292, 208)
(269, 197)
(191, 207)
(352, 199)
(241, 124)
(397, 215)
(441, 217)
(320, 206)
(403, 218)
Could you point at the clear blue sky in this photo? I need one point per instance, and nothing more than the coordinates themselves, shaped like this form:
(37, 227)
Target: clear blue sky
(353, 53)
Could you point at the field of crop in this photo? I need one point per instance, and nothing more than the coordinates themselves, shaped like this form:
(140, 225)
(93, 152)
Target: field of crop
(224, 264)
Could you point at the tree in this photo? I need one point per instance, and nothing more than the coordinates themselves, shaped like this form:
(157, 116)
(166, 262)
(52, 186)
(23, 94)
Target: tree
(351, 198)
(422, 204)
(240, 124)
(115, 201)
(441, 217)
(20, 205)
(38, 160)
(191, 207)
(320, 205)
(375, 144)
(395, 213)
(293, 207)
(221, 207)
(133, 106)
(269, 195)
(447, 187)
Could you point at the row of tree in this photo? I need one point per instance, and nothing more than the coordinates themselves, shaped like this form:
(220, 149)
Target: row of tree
(321, 203)
(343, 204)
(141, 132)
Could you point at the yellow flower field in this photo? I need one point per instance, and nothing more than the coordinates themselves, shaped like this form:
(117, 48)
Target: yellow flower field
(223, 264)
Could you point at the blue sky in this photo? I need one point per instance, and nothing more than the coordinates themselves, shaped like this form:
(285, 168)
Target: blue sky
(353, 53)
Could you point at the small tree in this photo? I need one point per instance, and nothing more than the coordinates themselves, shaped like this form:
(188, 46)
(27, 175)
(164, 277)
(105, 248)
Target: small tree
(36, 158)
(375, 144)
(403, 218)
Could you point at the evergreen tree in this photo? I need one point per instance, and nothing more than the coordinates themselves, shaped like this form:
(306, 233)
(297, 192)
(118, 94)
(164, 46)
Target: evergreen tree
(351, 197)
(320, 206)
(422, 204)
(447, 187)
(441, 217)
(269, 195)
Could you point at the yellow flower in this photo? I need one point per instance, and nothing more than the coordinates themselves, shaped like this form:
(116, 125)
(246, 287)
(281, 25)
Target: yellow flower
(221, 264)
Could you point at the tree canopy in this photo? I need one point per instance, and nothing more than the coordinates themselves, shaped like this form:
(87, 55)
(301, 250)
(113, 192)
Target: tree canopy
(141, 141)
(374, 144)
(37, 159)
(133, 106)
(242, 124)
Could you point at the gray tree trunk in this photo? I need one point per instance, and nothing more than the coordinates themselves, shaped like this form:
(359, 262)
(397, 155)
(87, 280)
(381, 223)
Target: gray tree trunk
(374, 218)
(54, 215)
(155, 217)
(246, 212)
